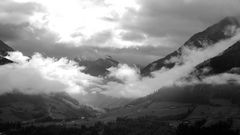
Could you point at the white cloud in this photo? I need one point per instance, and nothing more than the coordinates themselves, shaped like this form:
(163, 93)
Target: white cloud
(79, 22)
(124, 73)
(43, 75)
(224, 78)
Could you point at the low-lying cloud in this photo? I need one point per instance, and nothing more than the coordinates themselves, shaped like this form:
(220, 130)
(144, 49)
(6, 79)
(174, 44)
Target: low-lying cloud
(39, 74)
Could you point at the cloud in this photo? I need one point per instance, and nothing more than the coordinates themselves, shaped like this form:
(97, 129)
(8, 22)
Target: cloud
(124, 73)
(89, 23)
(224, 78)
(15, 18)
(33, 31)
(12, 11)
(12, 31)
(131, 36)
(158, 26)
(40, 74)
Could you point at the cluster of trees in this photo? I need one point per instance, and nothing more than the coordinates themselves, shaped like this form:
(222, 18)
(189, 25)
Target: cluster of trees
(122, 126)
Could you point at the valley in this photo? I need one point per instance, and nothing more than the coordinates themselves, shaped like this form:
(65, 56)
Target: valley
(177, 108)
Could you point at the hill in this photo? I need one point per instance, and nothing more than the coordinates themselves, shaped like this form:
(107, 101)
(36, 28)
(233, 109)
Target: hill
(22, 107)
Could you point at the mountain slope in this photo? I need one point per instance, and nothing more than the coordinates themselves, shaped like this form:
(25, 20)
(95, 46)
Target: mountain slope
(226, 28)
(185, 103)
(21, 107)
(229, 60)
(196, 101)
(97, 67)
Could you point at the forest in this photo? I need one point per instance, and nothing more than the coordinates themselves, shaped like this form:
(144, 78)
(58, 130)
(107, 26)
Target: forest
(148, 125)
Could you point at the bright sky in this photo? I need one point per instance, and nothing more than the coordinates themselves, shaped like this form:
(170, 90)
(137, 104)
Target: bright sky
(78, 21)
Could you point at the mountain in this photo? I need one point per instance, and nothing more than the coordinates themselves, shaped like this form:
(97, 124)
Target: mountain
(102, 101)
(193, 102)
(97, 67)
(227, 61)
(22, 107)
(4, 49)
(226, 28)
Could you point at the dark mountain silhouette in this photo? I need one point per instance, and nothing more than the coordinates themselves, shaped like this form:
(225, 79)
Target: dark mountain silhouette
(226, 28)
(4, 61)
(4, 49)
(97, 67)
(22, 107)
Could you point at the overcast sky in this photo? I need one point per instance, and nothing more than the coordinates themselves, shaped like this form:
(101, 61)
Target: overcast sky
(133, 31)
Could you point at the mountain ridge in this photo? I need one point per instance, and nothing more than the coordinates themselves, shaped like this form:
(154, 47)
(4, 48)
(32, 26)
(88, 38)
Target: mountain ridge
(224, 29)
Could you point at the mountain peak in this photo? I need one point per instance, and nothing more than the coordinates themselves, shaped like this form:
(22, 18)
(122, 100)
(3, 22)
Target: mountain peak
(225, 28)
